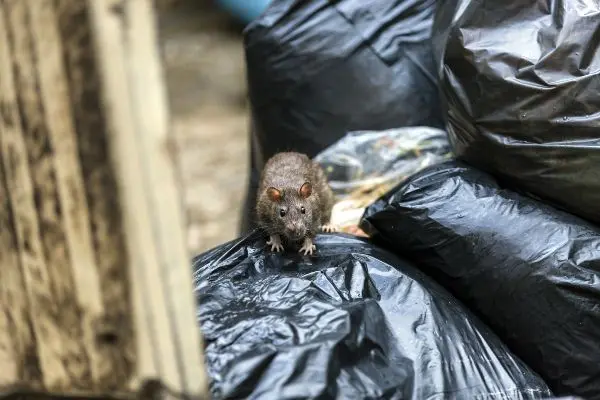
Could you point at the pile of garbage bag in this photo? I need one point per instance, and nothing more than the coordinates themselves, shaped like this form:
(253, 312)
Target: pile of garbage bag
(461, 140)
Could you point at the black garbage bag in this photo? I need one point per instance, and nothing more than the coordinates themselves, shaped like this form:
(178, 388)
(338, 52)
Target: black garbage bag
(530, 271)
(318, 69)
(352, 322)
(522, 84)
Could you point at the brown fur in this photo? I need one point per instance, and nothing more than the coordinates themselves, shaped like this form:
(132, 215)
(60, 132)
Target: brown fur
(287, 172)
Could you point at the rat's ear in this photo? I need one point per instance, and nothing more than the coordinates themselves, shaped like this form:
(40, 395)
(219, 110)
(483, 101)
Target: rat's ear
(274, 194)
(306, 190)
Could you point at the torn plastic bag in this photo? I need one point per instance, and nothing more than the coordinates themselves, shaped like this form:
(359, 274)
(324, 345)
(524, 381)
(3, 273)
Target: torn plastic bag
(318, 69)
(352, 322)
(530, 271)
(364, 165)
(521, 80)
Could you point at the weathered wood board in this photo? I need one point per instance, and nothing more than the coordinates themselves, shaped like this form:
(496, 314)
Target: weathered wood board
(95, 285)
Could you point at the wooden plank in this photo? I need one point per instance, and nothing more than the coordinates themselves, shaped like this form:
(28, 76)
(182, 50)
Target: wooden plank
(126, 37)
(20, 185)
(156, 146)
(95, 286)
(114, 327)
(126, 157)
(56, 104)
(16, 338)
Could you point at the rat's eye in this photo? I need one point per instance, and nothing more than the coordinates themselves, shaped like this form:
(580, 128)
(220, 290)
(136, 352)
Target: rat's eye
(282, 212)
(303, 210)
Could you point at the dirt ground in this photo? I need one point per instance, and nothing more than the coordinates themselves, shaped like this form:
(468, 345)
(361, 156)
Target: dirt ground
(205, 76)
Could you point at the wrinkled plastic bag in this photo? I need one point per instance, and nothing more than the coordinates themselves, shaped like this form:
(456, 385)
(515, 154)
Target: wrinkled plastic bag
(522, 84)
(532, 272)
(352, 322)
(364, 165)
(318, 69)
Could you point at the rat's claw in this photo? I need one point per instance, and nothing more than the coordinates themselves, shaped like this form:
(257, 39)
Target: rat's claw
(308, 247)
(277, 248)
(275, 243)
(308, 250)
(329, 228)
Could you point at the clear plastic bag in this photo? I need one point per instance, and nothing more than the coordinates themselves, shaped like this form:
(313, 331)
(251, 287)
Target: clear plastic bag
(364, 165)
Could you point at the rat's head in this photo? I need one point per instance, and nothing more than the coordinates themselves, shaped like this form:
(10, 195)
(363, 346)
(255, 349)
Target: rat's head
(292, 210)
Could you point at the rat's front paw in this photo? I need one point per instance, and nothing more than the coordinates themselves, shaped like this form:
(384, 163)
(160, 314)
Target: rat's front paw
(308, 247)
(329, 228)
(275, 243)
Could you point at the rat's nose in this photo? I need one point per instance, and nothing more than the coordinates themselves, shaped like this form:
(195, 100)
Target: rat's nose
(295, 230)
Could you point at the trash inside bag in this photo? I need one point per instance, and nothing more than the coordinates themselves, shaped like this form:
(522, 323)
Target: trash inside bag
(364, 165)
(522, 85)
(318, 69)
(352, 322)
(530, 271)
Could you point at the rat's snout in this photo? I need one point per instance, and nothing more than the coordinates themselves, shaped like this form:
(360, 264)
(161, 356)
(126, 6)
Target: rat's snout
(295, 230)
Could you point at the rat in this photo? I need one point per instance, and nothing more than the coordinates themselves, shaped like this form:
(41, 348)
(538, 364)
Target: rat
(294, 201)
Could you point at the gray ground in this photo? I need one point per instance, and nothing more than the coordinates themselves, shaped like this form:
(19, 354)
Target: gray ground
(205, 75)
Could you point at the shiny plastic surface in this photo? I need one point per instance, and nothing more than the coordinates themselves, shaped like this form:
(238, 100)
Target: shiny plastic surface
(521, 80)
(363, 165)
(318, 69)
(352, 322)
(374, 158)
(530, 271)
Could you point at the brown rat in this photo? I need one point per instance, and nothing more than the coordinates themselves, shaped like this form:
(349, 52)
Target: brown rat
(294, 201)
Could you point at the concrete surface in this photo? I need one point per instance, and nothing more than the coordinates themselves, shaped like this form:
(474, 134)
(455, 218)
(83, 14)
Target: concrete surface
(205, 76)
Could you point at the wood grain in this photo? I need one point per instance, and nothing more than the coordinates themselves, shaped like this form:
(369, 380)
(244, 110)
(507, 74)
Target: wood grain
(20, 177)
(95, 285)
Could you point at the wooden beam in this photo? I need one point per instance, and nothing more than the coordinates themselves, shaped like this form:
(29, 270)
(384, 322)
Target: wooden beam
(95, 283)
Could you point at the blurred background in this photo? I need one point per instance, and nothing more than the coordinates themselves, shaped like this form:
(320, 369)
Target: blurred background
(203, 58)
